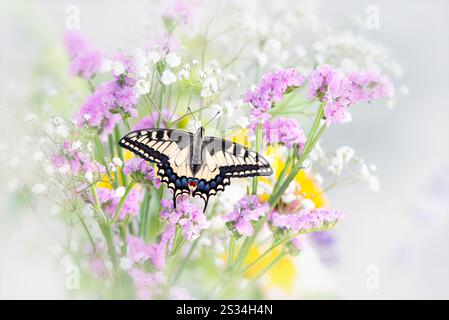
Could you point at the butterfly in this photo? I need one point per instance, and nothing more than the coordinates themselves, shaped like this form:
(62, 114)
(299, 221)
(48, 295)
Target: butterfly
(195, 164)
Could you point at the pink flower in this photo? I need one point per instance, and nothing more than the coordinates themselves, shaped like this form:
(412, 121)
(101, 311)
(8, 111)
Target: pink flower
(246, 210)
(339, 91)
(140, 170)
(271, 89)
(150, 121)
(86, 61)
(187, 215)
(286, 131)
(306, 220)
(110, 202)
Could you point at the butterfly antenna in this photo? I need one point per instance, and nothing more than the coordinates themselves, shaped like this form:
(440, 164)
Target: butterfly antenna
(218, 112)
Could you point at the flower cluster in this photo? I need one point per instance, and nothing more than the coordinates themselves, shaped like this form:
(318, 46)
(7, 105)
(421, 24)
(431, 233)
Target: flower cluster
(85, 60)
(286, 131)
(110, 200)
(339, 91)
(79, 163)
(271, 89)
(246, 211)
(113, 100)
(306, 220)
(187, 215)
(141, 171)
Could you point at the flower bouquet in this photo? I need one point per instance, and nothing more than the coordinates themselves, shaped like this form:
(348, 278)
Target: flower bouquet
(274, 88)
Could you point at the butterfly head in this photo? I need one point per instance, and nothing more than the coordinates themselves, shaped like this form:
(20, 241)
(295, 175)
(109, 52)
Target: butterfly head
(200, 132)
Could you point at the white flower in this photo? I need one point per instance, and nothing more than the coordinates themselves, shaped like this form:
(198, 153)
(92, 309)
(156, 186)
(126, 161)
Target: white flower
(106, 66)
(64, 169)
(125, 263)
(62, 131)
(77, 145)
(154, 56)
(31, 117)
(119, 192)
(243, 122)
(111, 167)
(117, 161)
(184, 74)
(307, 203)
(195, 62)
(86, 117)
(168, 77)
(89, 176)
(210, 86)
(173, 60)
(228, 108)
(143, 87)
(39, 188)
(90, 147)
(288, 198)
(117, 68)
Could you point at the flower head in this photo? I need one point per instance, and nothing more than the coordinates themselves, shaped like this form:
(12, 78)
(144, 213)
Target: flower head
(246, 210)
(286, 131)
(140, 170)
(271, 89)
(109, 201)
(306, 220)
(85, 60)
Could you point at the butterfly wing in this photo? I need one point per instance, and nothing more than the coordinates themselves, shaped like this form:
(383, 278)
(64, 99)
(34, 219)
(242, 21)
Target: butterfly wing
(169, 149)
(222, 160)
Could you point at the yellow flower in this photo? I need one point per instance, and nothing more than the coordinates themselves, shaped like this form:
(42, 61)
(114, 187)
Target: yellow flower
(311, 189)
(281, 275)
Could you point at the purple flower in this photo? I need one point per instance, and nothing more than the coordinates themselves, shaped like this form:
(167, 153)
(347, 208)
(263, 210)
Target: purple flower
(110, 202)
(306, 220)
(148, 285)
(141, 171)
(339, 91)
(150, 121)
(187, 215)
(164, 44)
(286, 131)
(111, 101)
(271, 89)
(85, 60)
(246, 210)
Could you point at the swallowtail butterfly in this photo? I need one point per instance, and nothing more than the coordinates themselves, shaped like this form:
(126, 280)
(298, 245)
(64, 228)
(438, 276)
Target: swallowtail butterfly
(195, 164)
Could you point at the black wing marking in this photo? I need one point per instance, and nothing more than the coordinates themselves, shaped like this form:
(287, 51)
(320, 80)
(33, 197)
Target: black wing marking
(222, 160)
(168, 149)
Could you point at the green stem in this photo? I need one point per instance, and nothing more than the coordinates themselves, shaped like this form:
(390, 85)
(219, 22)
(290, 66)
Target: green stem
(120, 153)
(144, 215)
(122, 201)
(231, 251)
(258, 141)
(269, 266)
(260, 257)
(86, 229)
(189, 254)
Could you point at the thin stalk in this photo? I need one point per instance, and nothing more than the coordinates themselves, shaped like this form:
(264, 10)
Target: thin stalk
(258, 141)
(231, 251)
(122, 201)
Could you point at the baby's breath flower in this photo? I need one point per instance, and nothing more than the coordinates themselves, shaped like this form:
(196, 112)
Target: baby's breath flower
(168, 77)
(173, 60)
(210, 86)
(39, 188)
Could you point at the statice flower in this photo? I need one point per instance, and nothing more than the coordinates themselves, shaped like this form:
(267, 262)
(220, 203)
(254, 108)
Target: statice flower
(339, 91)
(306, 220)
(111, 101)
(141, 171)
(85, 60)
(187, 215)
(109, 200)
(247, 210)
(72, 160)
(148, 284)
(95, 113)
(271, 89)
(150, 121)
(286, 131)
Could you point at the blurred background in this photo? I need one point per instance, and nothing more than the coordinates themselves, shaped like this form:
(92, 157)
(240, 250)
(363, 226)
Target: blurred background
(393, 244)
